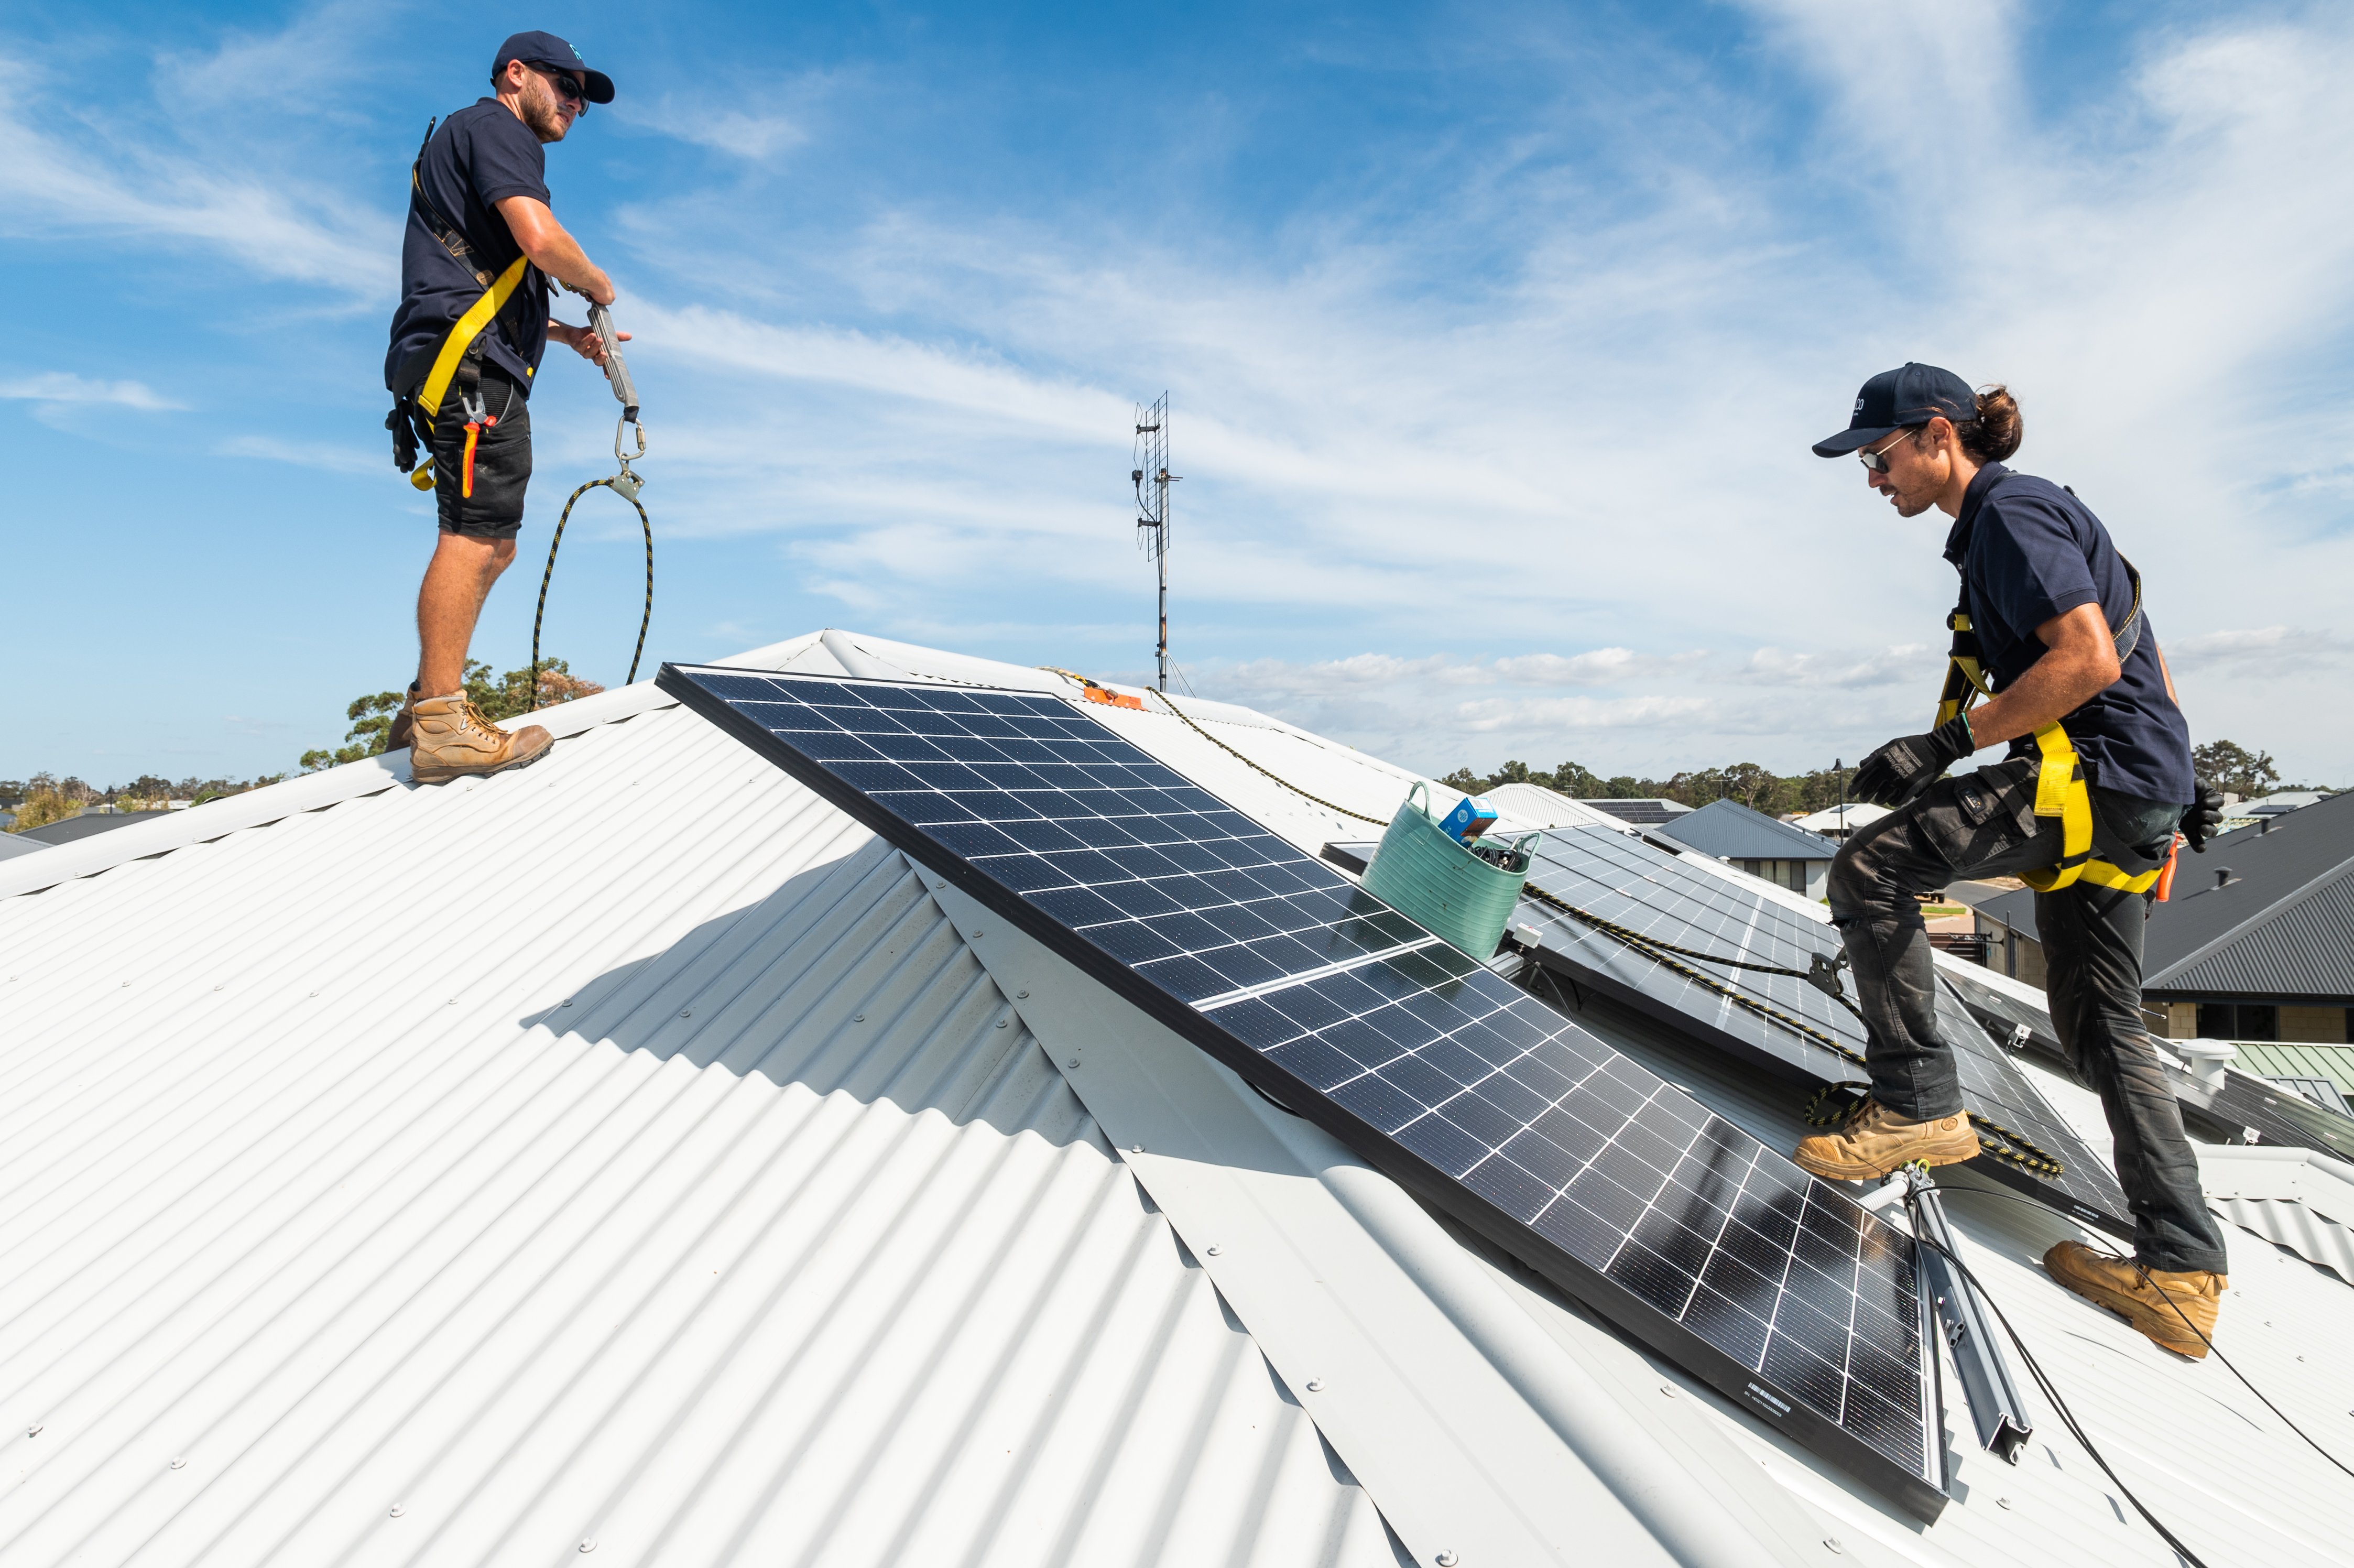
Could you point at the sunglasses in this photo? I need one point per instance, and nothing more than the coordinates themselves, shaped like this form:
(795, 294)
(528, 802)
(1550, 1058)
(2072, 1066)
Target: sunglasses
(565, 85)
(1876, 458)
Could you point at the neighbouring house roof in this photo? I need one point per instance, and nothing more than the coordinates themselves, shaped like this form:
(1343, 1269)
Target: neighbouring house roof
(13, 844)
(1843, 818)
(1731, 831)
(2280, 926)
(506, 1165)
(1534, 806)
(88, 824)
(1640, 811)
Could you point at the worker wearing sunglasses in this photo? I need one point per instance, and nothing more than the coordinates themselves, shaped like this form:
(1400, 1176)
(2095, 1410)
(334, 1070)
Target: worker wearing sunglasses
(2051, 630)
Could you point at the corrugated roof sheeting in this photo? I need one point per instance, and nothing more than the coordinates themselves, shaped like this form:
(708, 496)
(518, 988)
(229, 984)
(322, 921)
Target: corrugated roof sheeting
(514, 1155)
(2305, 949)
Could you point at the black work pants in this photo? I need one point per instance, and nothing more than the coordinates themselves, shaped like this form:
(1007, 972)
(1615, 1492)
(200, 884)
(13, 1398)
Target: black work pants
(1984, 824)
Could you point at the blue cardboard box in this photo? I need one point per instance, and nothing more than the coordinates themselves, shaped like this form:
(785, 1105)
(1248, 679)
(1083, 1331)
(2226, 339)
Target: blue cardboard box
(1470, 817)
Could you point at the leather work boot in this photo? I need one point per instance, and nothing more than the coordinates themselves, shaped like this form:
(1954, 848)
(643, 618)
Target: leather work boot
(2157, 1301)
(402, 732)
(1876, 1140)
(453, 740)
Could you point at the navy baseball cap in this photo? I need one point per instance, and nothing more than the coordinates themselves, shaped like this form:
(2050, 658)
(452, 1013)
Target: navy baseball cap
(547, 49)
(1896, 399)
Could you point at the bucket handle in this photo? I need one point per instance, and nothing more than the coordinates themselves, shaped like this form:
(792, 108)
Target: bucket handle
(1422, 790)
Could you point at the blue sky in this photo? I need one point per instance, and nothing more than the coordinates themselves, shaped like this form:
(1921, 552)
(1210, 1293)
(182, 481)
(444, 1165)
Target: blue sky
(1495, 335)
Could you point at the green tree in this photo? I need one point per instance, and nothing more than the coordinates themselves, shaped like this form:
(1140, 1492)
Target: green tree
(2230, 766)
(497, 698)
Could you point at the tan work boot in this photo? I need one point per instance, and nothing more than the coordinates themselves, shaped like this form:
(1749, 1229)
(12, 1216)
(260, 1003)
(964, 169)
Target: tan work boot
(453, 740)
(1876, 1140)
(402, 732)
(2176, 1308)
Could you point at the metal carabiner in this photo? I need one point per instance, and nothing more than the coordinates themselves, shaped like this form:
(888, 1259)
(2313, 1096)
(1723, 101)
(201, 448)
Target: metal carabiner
(626, 423)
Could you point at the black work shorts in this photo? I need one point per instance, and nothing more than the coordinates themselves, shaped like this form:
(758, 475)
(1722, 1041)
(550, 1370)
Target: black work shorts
(501, 461)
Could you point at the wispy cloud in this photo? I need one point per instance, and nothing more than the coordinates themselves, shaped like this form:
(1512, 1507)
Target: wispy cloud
(328, 457)
(2280, 650)
(1912, 664)
(63, 386)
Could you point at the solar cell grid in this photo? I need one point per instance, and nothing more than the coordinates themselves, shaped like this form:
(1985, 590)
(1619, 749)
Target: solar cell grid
(1656, 895)
(1623, 1189)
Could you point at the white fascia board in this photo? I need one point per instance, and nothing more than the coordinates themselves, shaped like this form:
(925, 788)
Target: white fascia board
(1469, 1429)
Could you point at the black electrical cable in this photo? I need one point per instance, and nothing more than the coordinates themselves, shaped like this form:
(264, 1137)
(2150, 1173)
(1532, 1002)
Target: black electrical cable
(2059, 1405)
(2310, 1441)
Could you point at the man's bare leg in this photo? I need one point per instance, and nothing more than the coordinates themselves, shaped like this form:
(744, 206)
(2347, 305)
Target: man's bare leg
(456, 583)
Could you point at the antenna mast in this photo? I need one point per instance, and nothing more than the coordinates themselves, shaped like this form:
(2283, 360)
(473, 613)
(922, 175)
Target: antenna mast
(1152, 479)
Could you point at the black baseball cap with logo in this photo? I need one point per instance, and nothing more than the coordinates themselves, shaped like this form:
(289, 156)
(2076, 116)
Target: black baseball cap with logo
(547, 49)
(1893, 400)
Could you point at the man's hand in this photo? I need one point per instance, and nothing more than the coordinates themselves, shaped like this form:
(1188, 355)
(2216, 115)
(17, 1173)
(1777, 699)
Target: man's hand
(585, 342)
(1904, 768)
(2205, 818)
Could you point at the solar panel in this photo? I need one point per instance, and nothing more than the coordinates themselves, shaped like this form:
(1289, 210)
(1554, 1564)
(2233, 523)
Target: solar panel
(1631, 893)
(1660, 1216)
(2243, 1109)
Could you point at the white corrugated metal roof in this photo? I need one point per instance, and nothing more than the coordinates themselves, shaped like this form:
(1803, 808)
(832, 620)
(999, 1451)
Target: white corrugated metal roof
(558, 1163)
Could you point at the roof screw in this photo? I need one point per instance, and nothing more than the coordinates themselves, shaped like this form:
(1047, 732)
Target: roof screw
(566, 1003)
(1315, 1385)
(1447, 1558)
(1020, 996)
(314, 993)
(1000, 1023)
(216, 988)
(2002, 1502)
(589, 1544)
(857, 1018)
(937, 883)
(179, 1462)
(453, 1002)
(688, 1012)
(977, 935)
(34, 1430)
(1213, 1249)
(398, 1511)
(126, 985)
(1668, 1389)
(1832, 1542)
(1136, 1149)
(1073, 1062)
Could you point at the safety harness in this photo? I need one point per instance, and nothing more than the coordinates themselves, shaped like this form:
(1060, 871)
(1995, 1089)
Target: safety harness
(2060, 789)
(426, 376)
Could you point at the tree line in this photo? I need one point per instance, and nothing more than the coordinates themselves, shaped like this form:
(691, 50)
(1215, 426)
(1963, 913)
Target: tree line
(2225, 764)
(45, 798)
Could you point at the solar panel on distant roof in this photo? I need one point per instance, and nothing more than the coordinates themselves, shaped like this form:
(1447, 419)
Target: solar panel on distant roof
(1779, 1021)
(1620, 1188)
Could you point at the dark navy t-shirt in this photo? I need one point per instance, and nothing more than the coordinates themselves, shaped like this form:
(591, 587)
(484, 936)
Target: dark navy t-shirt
(2028, 551)
(481, 155)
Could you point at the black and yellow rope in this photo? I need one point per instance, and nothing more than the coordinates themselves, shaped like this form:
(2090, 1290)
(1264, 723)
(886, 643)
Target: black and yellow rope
(540, 614)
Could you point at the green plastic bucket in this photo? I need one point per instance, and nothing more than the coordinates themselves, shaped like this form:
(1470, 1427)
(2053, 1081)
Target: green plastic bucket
(1426, 876)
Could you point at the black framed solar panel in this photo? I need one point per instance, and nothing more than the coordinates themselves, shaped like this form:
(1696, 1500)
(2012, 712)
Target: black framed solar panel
(2243, 1109)
(1781, 1023)
(1660, 1216)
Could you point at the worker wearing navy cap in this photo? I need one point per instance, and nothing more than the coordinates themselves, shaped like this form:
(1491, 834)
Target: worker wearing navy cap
(2051, 629)
(476, 263)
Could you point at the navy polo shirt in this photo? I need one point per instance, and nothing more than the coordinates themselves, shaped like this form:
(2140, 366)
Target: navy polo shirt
(480, 156)
(2028, 552)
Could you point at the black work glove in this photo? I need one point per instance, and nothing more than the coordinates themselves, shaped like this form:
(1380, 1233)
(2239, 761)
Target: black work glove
(2205, 818)
(1904, 768)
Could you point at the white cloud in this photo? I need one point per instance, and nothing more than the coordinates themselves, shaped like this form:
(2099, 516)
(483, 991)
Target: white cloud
(2273, 650)
(1911, 663)
(327, 456)
(63, 386)
(60, 178)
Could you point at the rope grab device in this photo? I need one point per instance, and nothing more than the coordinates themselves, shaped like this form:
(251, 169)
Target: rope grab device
(625, 483)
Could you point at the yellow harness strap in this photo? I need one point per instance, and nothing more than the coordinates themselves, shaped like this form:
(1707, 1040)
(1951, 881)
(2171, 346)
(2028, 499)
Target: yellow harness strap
(2060, 789)
(463, 333)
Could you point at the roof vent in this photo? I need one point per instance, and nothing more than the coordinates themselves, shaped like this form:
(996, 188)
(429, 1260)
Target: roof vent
(2223, 876)
(2207, 1058)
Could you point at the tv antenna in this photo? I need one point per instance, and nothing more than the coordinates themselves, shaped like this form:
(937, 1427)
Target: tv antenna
(1152, 479)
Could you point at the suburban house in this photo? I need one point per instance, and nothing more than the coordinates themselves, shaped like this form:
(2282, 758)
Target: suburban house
(728, 1185)
(1641, 813)
(1784, 855)
(2256, 942)
(1838, 822)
